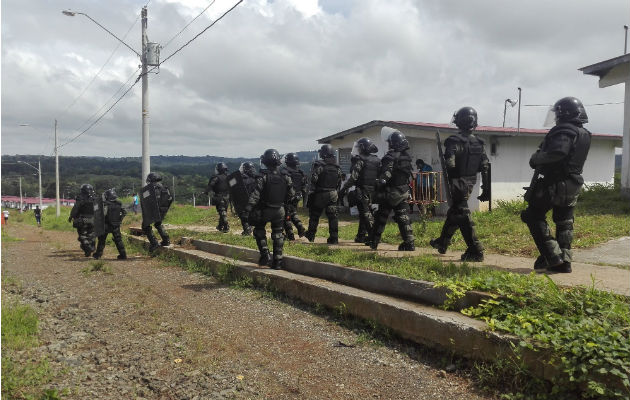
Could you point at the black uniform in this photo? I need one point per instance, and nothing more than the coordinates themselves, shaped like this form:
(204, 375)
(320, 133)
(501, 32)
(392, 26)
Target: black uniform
(558, 164)
(162, 198)
(299, 183)
(392, 194)
(82, 217)
(363, 175)
(465, 156)
(325, 181)
(249, 180)
(113, 213)
(273, 189)
(220, 189)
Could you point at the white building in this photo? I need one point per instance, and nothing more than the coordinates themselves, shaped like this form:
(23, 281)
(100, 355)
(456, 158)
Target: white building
(507, 150)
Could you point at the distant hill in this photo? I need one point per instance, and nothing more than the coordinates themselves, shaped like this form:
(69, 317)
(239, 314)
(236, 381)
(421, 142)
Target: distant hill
(190, 174)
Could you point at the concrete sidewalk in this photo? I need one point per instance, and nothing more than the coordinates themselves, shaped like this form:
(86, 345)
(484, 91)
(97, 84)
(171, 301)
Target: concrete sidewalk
(590, 266)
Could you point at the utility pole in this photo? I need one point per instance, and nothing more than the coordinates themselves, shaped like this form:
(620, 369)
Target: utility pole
(173, 188)
(57, 204)
(518, 123)
(21, 205)
(146, 161)
(39, 164)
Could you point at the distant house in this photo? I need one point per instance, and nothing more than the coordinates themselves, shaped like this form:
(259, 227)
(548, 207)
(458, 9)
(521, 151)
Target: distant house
(508, 152)
(31, 202)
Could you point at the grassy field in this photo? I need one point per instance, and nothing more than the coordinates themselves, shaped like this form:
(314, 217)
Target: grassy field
(22, 379)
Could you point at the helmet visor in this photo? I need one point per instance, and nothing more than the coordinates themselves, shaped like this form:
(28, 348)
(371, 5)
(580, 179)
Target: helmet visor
(355, 149)
(385, 132)
(550, 119)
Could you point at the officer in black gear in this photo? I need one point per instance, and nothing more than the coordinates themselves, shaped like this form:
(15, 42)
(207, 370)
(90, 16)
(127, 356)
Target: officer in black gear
(273, 189)
(113, 213)
(249, 175)
(298, 179)
(159, 197)
(82, 218)
(325, 181)
(558, 165)
(393, 192)
(465, 156)
(218, 185)
(363, 175)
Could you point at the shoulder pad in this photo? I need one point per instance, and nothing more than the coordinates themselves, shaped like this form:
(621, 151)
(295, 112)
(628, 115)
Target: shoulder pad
(564, 128)
(478, 138)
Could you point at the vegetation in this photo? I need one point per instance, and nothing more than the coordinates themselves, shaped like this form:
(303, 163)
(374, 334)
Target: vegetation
(22, 379)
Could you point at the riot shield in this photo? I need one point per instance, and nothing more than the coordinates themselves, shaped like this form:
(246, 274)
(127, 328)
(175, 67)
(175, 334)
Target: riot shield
(447, 183)
(99, 217)
(238, 191)
(149, 204)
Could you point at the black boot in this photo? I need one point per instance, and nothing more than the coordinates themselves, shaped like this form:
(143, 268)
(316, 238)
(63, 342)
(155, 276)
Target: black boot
(265, 257)
(473, 255)
(332, 240)
(310, 236)
(439, 245)
(407, 246)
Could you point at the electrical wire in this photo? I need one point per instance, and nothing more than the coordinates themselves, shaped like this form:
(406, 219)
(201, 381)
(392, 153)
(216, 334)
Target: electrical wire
(140, 76)
(100, 70)
(197, 35)
(87, 121)
(101, 116)
(187, 25)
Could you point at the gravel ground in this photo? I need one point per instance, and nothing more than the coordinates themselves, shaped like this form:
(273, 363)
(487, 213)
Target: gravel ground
(139, 329)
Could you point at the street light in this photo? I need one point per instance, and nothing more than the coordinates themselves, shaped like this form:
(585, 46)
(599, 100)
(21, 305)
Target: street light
(39, 172)
(505, 103)
(149, 56)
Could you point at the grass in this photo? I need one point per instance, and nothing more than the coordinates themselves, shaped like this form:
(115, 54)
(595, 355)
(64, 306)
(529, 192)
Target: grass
(23, 379)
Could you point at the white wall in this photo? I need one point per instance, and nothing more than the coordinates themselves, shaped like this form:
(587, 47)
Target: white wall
(510, 165)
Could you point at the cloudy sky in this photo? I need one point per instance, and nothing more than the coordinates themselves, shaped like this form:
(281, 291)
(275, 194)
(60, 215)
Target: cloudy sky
(284, 73)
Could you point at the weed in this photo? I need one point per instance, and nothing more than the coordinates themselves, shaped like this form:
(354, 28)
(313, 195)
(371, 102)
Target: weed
(97, 266)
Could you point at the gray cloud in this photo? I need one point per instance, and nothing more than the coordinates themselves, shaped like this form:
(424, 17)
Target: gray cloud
(269, 76)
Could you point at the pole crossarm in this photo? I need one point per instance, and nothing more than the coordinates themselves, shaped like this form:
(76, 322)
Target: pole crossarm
(73, 13)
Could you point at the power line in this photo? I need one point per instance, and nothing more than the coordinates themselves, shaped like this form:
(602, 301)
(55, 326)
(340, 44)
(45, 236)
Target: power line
(102, 115)
(100, 70)
(196, 36)
(187, 25)
(87, 121)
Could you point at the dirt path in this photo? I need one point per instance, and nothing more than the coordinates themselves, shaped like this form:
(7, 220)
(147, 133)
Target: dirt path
(137, 329)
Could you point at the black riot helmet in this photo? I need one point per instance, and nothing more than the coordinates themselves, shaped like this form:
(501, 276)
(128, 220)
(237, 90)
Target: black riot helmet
(366, 146)
(110, 194)
(87, 190)
(153, 177)
(570, 109)
(221, 168)
(292, 160)
(271, 158)
(397, 141)
(248, 168)
(326, 151)
(465, 118)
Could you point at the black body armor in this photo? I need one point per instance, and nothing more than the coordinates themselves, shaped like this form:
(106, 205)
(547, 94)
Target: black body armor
(469, 155)
(369, 172)
(401, 171)
(275, 190)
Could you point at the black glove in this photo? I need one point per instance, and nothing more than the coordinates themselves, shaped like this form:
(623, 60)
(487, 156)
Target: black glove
(380, 184)
(69, 219)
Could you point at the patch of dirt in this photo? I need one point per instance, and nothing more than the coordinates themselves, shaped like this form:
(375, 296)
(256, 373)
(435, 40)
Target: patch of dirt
(139, 329)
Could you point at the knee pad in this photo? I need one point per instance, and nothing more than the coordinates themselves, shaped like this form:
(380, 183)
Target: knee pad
(277, 236)
(564, 225)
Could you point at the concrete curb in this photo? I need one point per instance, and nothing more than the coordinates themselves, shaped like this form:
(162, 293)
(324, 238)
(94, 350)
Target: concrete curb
(427, 325)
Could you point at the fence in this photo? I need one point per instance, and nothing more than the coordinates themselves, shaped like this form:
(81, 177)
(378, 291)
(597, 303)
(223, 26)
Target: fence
(427, 188)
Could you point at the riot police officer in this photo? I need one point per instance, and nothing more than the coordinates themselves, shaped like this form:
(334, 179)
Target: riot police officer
(325, 181)
(464, 156)
(273, 189)
(82, 218)
(113, 214)
(363, 174)
(393, 192)
(298, 178)
(249, 175)
(156, 199)
(218, 185)
(558, 165)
